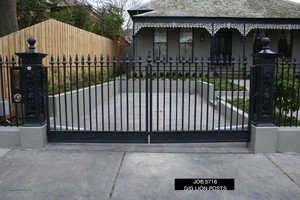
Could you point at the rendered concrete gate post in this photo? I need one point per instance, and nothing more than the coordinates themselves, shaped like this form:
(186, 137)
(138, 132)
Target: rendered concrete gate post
(32, 92)
(263, 131)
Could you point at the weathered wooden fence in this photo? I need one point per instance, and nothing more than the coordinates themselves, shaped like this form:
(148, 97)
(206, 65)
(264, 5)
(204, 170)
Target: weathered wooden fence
(57, 38)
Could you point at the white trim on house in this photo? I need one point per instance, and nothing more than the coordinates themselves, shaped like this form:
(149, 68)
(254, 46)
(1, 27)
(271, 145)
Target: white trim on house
(212, 28)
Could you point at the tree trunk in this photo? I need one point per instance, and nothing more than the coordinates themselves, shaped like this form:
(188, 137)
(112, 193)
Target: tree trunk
(8, 19)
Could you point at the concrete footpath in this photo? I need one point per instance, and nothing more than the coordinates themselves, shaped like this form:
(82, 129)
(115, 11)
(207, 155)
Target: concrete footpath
(137, 172)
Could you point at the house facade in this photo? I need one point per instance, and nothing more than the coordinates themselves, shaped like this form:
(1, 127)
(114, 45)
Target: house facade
(216, 29)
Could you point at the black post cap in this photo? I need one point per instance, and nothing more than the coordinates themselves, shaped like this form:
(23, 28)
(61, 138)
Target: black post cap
(265, 43)
(265, 46)
(31, 41)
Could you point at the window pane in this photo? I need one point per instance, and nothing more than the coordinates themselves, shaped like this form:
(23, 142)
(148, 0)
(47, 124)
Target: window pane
(189, 51)
(160, 35)
(186, 51)
(186, 36)
(160, 50)
(186, 43)
(182, 51)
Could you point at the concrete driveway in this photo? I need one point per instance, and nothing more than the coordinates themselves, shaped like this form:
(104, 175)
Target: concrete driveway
(134, 172)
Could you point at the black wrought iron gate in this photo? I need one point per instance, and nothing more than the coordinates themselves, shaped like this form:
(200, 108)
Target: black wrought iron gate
(155, 101)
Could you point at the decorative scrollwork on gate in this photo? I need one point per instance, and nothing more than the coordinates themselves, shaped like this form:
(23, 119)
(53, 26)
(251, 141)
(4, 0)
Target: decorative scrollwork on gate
(30, 93)
(267, 77)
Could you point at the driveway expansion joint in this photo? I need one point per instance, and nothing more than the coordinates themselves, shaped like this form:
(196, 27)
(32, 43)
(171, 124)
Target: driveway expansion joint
(119, 169)
(281, 170)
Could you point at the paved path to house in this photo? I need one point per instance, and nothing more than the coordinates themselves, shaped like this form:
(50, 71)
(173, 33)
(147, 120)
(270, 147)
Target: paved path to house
(134, 172)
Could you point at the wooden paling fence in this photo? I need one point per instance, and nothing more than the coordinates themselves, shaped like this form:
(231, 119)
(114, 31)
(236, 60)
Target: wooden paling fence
(57, 38)
(53, 38)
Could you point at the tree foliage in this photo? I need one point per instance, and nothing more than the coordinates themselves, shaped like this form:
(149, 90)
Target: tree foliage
(110, 22)
(286, 91)
(121, 12)
(32, 12)
(78, 16)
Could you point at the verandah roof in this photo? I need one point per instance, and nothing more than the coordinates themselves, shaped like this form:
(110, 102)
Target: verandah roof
(221, 8)
(252, 14)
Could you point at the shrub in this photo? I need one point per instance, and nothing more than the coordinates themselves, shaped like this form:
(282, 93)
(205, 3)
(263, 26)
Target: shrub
(286, 88)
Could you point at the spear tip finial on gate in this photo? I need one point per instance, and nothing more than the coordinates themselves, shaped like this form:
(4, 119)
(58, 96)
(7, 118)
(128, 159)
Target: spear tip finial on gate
(149, 59)
(171, 59)
(196, 59)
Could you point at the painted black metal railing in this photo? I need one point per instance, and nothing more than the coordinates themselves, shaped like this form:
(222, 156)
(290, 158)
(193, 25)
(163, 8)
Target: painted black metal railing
(148, 97)
(11, 112)
(287, 93)
(142, 96)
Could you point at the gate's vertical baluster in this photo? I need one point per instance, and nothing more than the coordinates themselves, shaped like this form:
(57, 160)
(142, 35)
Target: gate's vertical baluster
(71, 91)
(226, 88)
(147, 93)
(214, 91)
(115, 100)
(221, 62)
(290, 65)
(244, 91)
(59, 96)
(189, 94)
(83, 92)
(64, 63)
(298, 93)
(157, 92)
(202, 93)
(77, 90)
(280, 99)
(170, 100)
(12, 67)
(89, 62)
(164, 98)
(207, 103)
(151, 93)
(96, 91)
(232, 80)
(133, 93)
(121, 95)
(140, 93)
(297, 86)
(8, 87)
(2, 86)
(284, 63)
(127, 91)
(177, 76)
(238, 96)
(182, 93)
(12, 62)
(108, 91)
(102, 92)
(196, 92)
